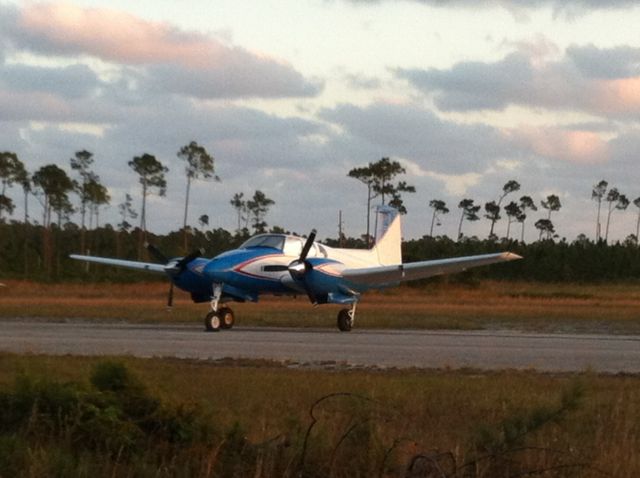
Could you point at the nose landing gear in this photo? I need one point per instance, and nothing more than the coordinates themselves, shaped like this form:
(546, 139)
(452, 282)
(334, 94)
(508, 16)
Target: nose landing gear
(218, 318)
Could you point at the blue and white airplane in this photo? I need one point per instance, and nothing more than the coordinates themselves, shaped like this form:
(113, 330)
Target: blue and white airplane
(281, 264)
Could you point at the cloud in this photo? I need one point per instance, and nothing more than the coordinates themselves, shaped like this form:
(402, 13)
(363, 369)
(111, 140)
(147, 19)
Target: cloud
(417, 134)
(566, 8)
(523, 78)
(75, 81)
(179, 61)
(579, 146)
(605, 63)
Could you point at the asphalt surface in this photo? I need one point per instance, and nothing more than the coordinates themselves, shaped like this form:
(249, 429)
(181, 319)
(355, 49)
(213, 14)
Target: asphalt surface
(324, 347)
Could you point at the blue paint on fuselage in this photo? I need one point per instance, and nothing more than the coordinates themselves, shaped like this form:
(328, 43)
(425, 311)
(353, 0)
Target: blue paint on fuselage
(226, 268)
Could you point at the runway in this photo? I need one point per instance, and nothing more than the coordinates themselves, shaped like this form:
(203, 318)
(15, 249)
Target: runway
(325, 347)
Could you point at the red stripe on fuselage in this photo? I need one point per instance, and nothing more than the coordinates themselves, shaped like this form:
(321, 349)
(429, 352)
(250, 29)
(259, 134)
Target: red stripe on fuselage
(239, 267)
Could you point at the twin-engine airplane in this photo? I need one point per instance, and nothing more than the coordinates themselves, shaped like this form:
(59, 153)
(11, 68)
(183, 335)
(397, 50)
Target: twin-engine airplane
(281, 264)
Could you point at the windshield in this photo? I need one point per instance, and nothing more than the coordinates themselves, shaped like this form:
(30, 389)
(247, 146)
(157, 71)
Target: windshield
(274, 241)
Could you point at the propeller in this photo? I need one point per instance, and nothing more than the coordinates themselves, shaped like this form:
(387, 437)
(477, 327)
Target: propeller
(301, 267)
(156, 254)
(174, 269)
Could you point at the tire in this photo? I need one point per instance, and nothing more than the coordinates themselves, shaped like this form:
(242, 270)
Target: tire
(212, 322)
(344, 321)
(227, 319)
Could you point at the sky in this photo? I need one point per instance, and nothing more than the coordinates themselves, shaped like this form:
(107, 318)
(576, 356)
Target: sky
(289, 95)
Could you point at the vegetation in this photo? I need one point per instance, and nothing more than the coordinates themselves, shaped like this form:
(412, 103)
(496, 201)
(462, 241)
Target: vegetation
(24, 254)
(595, 308)
(72, 416)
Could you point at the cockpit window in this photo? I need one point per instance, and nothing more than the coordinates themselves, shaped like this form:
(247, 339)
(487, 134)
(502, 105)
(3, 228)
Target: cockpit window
(274, 241)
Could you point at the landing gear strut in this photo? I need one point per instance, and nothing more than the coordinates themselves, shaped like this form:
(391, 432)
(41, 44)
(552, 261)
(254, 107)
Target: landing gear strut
(346, 317)
(218, 318)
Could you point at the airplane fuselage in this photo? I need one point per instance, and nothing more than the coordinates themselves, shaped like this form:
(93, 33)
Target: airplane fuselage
(248, 273)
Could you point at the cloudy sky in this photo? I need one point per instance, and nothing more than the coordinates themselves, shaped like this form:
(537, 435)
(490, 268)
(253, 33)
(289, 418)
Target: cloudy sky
(289, 95)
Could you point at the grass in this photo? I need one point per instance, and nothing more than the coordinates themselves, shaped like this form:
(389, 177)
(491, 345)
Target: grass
(504, 422)
(593, 308)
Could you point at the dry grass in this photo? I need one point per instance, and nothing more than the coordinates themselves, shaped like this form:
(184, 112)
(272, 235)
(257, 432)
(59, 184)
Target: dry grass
(429, 410)
(530, 306)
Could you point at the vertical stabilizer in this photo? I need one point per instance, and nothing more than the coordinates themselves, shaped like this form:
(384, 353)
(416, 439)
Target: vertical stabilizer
(388, 236)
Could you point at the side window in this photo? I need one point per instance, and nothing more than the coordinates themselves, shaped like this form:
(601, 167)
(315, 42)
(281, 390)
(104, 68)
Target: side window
(292, 246)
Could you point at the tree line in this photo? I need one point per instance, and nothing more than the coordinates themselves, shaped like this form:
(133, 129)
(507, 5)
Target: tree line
(40, 247)
(55, 190)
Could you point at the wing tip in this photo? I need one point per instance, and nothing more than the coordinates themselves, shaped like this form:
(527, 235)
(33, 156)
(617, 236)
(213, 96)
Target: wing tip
(510, 256)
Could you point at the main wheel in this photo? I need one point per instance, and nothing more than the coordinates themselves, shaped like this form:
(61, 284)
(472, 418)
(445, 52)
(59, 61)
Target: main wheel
(344, 320)
(212, 322)
(227, 318)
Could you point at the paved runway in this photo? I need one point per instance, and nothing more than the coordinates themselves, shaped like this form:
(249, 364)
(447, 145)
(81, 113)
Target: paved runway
(383, 348)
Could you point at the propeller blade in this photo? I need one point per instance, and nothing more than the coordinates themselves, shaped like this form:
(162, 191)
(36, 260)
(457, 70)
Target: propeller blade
(300, 267)
(182, 263)
(307, 245)
(170, 297)
(155, 252)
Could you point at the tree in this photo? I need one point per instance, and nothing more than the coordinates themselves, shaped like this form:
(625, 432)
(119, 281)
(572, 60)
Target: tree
(636, 203)
(597, 193)
(469, 212)
(258, 207)
(126, 211)
(551, 204)
(514, 214)
(240, 205)
(493, 208)
(97, 196)
(10, 170)
(52, 188)
(439, 207)
(81, 163)
(544, 226)
(365, 176)
(198, 164)
(384, 171)
(616, 201)
(151, 172)
(378, 178)
(24, 179)
(526, 202)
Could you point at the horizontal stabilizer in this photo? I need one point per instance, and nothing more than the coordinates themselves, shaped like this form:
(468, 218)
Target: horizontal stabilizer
(143, 266)
(378, 276)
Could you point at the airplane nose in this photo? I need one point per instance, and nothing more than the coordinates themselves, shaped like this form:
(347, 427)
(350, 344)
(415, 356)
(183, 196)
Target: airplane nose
(216, 271)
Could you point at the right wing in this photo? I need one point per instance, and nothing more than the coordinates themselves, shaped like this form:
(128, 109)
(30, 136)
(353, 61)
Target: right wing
(145, 266)
(380, 276)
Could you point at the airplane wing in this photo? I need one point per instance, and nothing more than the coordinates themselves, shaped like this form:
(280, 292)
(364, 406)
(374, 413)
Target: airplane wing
(378, 276)
(145, 266)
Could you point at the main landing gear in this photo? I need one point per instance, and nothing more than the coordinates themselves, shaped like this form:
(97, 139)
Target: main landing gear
(346, 317)
(218, 318)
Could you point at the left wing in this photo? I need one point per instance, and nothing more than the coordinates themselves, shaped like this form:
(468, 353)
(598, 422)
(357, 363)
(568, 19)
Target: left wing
(144, 266)
(379, 276)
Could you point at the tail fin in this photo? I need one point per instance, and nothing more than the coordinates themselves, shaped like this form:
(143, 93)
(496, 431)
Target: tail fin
(388, 236)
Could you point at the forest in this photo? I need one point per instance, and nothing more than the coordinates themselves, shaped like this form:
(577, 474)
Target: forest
(39, 248)
(583, 260)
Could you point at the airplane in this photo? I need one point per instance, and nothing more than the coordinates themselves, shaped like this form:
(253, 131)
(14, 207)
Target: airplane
(284, 264)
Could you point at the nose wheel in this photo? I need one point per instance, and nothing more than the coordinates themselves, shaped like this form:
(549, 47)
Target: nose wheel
(346, 318)
(218, 318)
